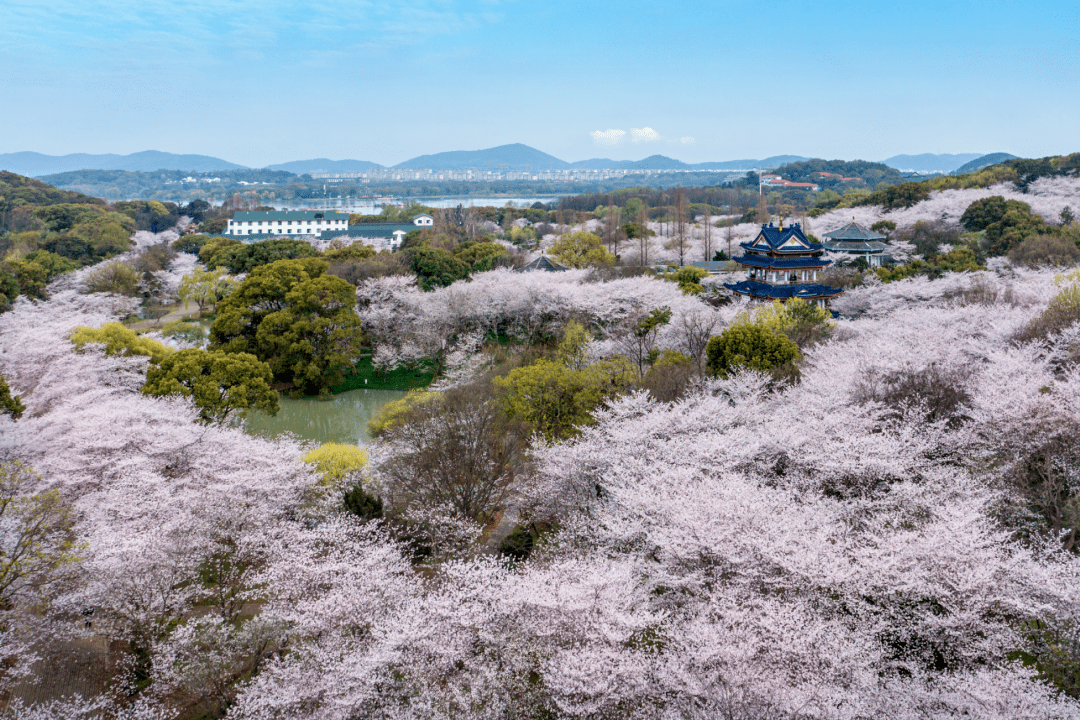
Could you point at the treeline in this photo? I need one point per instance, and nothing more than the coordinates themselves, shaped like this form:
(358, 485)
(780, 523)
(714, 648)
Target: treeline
(870, 174)
(119, 184)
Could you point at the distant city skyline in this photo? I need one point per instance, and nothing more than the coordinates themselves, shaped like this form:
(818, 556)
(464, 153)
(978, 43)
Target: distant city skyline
(269, 83)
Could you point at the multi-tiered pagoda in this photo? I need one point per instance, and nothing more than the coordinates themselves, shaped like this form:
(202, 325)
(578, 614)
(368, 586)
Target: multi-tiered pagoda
(783, 263)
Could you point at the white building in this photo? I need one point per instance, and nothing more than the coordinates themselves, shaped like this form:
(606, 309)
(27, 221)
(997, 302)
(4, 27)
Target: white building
(287, 222)
(423, 220)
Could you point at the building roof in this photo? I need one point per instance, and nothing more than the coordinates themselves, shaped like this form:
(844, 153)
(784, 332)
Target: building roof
(766, 261)
(853, 231)
(248, 215)
(374, 230)
(857, 247)
(417, 217)
(542, 263)
(803, 291)
(712, 266)
(787, 241)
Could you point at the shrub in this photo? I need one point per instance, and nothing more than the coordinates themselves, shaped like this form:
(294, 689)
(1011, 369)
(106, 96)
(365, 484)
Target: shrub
(184, 331)
(749, 345)
(10, 405)
(669, 377)
(395, 412)
(363, 505)
(114, 277)
(689, 279)
(518, 545)
(191, 244)
(1045, 250)
(556, 399)
(336, 461)
(928, 237)
(458, 452)
(940, 390)
(1061, 312)
(119, 340)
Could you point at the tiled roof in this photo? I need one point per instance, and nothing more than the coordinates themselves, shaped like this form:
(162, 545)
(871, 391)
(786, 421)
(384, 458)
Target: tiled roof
(805, 291)
(256, 215)
(790, 240)
(857, 247)
(372, 230)
(853, 231)
(765, 261)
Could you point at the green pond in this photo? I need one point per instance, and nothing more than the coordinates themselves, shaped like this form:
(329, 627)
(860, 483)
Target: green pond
(340, 418)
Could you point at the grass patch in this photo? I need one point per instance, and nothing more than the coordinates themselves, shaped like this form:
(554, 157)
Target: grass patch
(397, 379)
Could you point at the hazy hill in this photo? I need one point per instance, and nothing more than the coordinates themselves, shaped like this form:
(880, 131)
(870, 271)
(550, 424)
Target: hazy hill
(299, 167)
(983, 161)
(16, 189)
(503, 157)
(871, 173)
(33, 164)
(929, 162)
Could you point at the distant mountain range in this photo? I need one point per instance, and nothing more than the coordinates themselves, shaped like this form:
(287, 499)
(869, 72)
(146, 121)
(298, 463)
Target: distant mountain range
(35, 164)
(981, 162)
(299, 167)
(516, 157)
(929, 162)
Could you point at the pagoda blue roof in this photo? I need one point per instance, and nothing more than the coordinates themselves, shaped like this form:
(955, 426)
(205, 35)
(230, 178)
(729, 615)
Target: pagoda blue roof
(782, 241)
(782, 263)
(803, 291)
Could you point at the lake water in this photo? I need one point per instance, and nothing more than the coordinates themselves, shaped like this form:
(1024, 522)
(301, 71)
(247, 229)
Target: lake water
(341, 418)
(367, 207)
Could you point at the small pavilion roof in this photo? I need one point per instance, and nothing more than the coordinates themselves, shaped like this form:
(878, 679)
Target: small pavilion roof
(765, 261)
(804, 291)
(853, 231)
(857, 247)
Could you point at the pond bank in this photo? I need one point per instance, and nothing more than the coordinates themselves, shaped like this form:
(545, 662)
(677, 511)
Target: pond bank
(342, 418)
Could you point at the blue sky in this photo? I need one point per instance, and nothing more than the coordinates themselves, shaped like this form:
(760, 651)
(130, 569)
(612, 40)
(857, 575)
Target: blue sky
(265, 82)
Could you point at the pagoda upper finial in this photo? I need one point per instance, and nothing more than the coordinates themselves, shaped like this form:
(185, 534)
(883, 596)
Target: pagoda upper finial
(781, 223)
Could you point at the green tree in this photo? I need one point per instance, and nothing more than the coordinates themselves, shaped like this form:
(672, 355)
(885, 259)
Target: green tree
(985, 211)
(205, 287)
(640, 345)
(36, 538)
(213, 246)
(689, 279)
(749, 345)
(479, 256)
(31, 277)
(10, 405)
(260, 294)
(113, 277)
(315, 337)
(9, 289)
(884, 227)
(558, 400)
(52, 263)
(119, 340)
(244, 258)
(222, 385)
(436, 267)
(581, 250)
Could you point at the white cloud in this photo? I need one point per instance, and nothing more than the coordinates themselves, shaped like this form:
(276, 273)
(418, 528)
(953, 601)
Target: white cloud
(645, 134)
(608, 137)
(615, 136)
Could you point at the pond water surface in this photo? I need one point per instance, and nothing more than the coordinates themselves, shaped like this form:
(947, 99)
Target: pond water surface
(341, 418)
